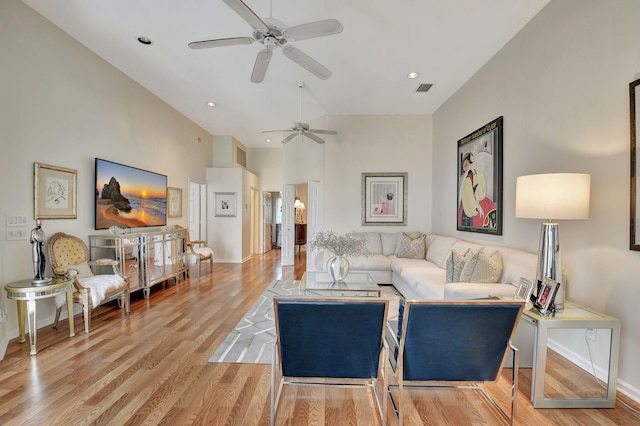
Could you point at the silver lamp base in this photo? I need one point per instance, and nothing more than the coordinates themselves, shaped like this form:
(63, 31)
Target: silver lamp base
(549, 262)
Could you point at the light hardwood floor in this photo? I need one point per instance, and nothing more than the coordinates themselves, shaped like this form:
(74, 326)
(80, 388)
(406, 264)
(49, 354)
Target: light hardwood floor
(150, 367)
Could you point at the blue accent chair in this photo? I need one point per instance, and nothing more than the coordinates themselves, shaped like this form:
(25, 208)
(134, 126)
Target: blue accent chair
(339, 341)
(466, 342)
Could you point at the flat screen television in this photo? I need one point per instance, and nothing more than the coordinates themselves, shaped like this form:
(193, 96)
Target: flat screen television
(129, 197)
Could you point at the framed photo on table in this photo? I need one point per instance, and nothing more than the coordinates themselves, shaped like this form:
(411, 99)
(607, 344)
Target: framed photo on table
(225, 204)
(174, 206)
(524, 290)
(546, 295)
(479, 201)
(384, 198)
(54, 192)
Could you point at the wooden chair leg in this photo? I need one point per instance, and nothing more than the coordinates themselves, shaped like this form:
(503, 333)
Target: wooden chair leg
(87, 318)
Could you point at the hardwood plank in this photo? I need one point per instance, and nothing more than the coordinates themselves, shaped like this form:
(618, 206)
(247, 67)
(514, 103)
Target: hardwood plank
(151, 367)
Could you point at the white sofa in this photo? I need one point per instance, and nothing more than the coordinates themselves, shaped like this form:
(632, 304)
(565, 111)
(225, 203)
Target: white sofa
(425, 278)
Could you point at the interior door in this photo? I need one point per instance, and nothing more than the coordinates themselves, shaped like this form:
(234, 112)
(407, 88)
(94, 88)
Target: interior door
(194, 211)
(287, 252)
(314, 217)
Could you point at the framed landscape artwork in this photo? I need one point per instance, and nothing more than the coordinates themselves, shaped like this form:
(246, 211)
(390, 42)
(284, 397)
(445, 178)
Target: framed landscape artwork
(54, 192)
(479, 201)
(175, 201)
(384, 198)
(225, 204)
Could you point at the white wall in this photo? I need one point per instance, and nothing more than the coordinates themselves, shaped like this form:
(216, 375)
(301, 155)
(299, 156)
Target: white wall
(365, 144)
(230, 236)
(562, 86)
(63, 105)
(266, 163)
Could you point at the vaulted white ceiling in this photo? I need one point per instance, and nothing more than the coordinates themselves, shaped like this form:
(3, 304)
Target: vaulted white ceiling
(445, 41)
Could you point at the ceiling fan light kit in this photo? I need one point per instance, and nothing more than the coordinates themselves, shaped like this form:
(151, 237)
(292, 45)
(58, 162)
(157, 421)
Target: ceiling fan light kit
(303, 129)
(272, 33)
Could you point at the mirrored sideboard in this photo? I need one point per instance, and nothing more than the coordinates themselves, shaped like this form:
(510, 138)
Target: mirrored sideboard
(146, 258)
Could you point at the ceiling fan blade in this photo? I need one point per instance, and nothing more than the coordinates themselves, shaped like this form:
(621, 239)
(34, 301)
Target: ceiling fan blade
(323, 132)
(261, 64)
(313, 29)
(235, 41)
(247, 14)
(314, 137)
(306, 62)
(288, 138)
(278, 131)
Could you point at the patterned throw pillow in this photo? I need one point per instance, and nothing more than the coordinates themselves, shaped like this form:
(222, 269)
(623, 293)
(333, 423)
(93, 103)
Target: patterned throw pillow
(411, 246)
(455, 265)
(482, 268)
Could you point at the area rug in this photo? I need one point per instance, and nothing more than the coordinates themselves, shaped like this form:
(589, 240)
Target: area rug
(251, 341)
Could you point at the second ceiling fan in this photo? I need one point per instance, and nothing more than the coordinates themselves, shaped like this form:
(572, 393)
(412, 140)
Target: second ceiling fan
(302, 129)
(272, 33)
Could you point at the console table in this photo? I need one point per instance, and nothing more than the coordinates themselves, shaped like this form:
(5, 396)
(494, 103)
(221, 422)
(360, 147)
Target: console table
(572, 317)
(146, 258)
(25, 293)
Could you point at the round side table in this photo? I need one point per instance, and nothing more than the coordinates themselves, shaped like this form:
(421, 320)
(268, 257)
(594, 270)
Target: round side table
(25, 293)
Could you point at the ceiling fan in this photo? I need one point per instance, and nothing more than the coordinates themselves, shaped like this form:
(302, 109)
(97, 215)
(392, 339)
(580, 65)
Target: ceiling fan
(272, 33)
(302, 129)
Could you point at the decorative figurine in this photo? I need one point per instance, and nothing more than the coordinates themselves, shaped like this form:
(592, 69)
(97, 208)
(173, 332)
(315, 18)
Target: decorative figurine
(39, 262)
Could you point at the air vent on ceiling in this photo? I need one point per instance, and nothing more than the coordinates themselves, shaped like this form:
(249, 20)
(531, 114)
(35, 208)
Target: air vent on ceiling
(424, 87)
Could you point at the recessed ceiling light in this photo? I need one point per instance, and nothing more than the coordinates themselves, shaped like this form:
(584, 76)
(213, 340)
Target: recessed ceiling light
(211, 104)
(144, 40)
(413, 75)
(268, 140)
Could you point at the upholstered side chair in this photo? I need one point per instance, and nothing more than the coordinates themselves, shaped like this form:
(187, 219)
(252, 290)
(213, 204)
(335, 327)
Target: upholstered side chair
(453, 343)
(200, 249)
(69, 256)
(325, 341)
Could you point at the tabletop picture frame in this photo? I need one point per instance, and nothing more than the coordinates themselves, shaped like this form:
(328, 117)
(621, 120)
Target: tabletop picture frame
(54, 192)
(525, 288)
(546, 295)
(174, 205)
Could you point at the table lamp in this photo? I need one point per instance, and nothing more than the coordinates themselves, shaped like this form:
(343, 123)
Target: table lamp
(552, 196)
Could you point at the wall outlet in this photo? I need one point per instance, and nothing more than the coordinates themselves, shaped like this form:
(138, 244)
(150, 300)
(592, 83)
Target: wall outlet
(592, 334)
(17, 234)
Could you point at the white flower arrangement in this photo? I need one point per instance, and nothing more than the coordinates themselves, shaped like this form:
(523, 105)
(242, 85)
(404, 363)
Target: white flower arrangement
(338, 244)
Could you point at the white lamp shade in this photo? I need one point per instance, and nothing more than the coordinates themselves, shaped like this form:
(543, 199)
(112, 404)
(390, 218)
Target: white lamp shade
(553, 196)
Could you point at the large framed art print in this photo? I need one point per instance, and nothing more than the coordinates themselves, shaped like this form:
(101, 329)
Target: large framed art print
(384, 199)
(634, 100)
(479, 201)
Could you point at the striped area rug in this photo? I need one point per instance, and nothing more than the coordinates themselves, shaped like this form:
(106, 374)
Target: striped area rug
(251, 341)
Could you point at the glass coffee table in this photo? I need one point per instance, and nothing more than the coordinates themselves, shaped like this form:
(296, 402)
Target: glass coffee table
(356, 284)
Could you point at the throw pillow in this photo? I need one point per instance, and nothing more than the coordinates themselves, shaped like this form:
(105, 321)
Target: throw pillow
(411, 246)
(482, 268)
(84, 271)
(455, 265)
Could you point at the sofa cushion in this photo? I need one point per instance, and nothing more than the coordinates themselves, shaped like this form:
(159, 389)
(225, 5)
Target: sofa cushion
(374, 262)
(455, 264)
(411, 246)
(439, 249)
(389, 242)
(482, 268)
(373, 244)
(465, 291)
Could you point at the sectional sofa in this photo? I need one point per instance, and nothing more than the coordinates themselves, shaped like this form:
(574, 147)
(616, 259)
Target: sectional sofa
(428, 267)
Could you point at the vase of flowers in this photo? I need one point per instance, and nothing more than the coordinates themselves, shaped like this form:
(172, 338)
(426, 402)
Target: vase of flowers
(341, 245)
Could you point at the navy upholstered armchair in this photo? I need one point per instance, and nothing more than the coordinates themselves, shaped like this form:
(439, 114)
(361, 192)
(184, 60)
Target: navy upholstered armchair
(466, 342)
(335, 340)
